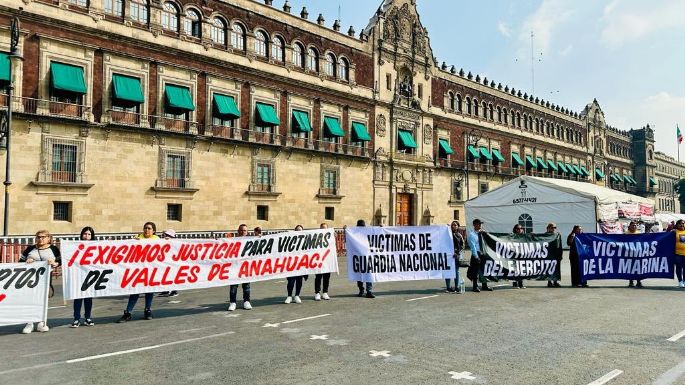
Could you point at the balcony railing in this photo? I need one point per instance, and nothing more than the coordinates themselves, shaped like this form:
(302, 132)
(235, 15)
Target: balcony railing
(44, 107)
(162, 123)
(174, 183)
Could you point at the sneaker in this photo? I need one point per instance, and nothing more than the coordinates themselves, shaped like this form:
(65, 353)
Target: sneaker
(75, 324)
(297, 299)
(173, 294)
(639, 284)
(630, 284)
(522, 286)
(88, 322)
(27, 329)
(488, 288)
(163, 294)
(231, 306)
(288, 299)
(449, 290)
(370, 295)
(147, 314)
(317, 297)
(247, 305)
(325, 296)
(550, 284)
(557, 284)
(125, 318)
(476, 289)
(457, 291)
(681, 284)
(361, 293)
(42, 327)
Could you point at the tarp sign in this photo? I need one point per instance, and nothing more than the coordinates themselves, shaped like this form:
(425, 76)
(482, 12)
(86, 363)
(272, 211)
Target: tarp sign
(515, 256)
(625, 256)
(109, 268)
(23, 292)
(380, 254)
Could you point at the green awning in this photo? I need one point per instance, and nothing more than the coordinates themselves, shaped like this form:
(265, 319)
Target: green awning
(359, 133)
(552, 165)
(486, 154)
(127, 89)
(630, 179)
(445, 147)
(613, 178)
(475, 154)
(225, 107)
(652, 181)
(4, 67)
(541, 163)
(178, 98)
(562, 167)
(67, 78)
(498, 156)
(301, 121)
(516, 159)
(599, 174)
(406, 138)
(530, 162)
(332, 127)
(577, 170)
(619, 178)
(570, 169)
(266, 116)
(584, 171)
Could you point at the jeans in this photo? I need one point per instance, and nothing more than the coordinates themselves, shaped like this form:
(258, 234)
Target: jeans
(133, 298)
(294, 282)
(233, 292)
(326, 277)
(680, 267)
(369, 286)
(77, 308)
(456, 281)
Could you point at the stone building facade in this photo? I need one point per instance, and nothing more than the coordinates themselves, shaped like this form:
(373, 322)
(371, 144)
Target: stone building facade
(203, 114)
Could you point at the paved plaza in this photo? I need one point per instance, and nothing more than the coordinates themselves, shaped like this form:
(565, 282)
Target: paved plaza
(412, 333)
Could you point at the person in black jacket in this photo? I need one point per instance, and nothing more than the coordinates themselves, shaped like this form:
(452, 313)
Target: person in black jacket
(87, 234)
(458, 243)
(42, 250)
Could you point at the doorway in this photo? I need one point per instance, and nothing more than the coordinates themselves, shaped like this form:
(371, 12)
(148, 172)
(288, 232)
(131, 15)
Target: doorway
(403, 209)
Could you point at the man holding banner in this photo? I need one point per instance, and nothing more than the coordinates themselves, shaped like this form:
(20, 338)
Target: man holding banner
(473, 272)
(233, 289)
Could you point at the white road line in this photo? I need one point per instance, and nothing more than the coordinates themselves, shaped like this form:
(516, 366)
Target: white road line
(677, 336)
(669, 377)
(607, 377)
(56, 307)
(42, 353)
(305, 319)
(128, 340)
(196, 329)
(89, 358)
(416, 299)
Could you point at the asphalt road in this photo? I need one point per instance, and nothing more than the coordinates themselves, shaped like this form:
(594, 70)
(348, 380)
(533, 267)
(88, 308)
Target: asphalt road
(412, 333)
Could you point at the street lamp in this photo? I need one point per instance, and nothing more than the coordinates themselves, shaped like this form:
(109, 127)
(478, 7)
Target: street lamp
(14, 42)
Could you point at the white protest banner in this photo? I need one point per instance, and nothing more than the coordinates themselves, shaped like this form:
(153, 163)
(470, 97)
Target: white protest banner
(109, 268)
(23, 292)
(378, 254)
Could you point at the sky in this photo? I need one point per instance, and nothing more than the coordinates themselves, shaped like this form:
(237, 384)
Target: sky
(628, 54)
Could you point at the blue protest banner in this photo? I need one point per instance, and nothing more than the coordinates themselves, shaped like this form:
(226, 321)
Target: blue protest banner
(625, 256)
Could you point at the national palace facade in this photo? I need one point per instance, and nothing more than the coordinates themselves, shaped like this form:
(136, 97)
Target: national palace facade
(203, 114)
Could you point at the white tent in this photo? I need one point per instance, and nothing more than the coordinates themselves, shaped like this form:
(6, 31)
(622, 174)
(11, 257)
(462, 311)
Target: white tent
(538, 201)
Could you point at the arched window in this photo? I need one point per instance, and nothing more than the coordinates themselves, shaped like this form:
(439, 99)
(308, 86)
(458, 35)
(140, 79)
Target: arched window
(492, 112)
(139, 11)
(485, 109)
(475, 107)
(329, 65)
(277, 46)
(526, 221)
(506, 116)
(238, 37)
(343, 69)
(170, 16)
(260, 43)
(312, 60)
(114, 7)
(298, 55)
(530, 123)
(218, 31)
(459, 105)
(468, 105)
(450, 100)
(525, 121)
(518, 119)
(191, 24)
(513, 118)
(499, 114)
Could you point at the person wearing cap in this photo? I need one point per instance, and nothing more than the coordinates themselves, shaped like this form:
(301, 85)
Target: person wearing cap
(167, 235)
(233, 289)
(633, 229)
(473, 272)
(360, 284)
(554, 279)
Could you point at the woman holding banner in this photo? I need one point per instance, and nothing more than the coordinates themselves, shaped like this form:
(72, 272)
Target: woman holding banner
(325, 277)
(149, 230)
(632, 229)
(87, 234)
(680, 252)
(518, 282)
(42, 250)
(295, 282)
(458, 241)
(573, 257)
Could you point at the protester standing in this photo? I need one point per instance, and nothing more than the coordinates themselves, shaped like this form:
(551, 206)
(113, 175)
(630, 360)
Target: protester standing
(680, 252)
(169, 234)
(41, 250)
(295, 282)
(553, 281)
(473, 272)
(360, 284)
(325, 277)
(518, 282)
(233, 289)
(633, 229)
(87, 234)
(573, 257)
(458, 243)
(149, 234)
